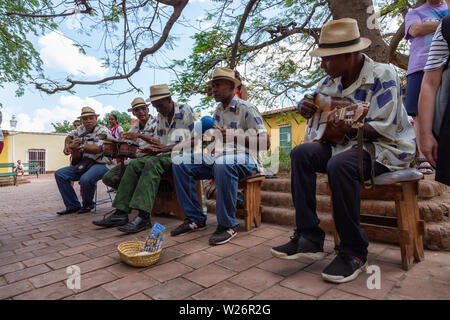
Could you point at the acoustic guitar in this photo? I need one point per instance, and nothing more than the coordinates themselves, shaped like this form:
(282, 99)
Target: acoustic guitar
(326, 126)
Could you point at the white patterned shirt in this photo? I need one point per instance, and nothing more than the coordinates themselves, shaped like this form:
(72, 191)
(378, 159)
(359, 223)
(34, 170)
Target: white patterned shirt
(147, 130)
(239, 114)
(379, 85)
(169, 133)
(92, 139)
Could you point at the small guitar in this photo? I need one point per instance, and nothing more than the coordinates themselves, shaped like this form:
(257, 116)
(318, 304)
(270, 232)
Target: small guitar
(76, 154)
(333, 116)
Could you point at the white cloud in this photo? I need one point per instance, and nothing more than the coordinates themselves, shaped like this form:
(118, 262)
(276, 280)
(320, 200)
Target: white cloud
(68, 108)
(60, 53)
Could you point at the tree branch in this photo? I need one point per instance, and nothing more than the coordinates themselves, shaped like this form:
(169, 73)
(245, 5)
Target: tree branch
(178, 6)
(245, 15)
(88, 9)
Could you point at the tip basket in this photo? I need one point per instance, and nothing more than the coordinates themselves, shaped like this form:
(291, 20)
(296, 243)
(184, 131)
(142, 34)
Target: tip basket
(128, 250)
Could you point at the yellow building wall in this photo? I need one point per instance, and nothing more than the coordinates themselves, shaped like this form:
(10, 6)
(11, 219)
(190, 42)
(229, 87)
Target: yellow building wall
(273, 122)
(5, 153)
(53, 143)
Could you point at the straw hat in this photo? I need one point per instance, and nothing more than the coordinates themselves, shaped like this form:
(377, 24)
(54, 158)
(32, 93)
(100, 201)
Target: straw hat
(339, 37)
(224, 73)
(159, 91)
(87, 111)
(138, 102)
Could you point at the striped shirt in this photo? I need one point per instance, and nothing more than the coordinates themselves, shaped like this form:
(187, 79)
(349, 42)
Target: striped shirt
(439, 51)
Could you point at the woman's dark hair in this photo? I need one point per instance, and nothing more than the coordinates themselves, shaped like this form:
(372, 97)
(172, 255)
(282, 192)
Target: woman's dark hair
(114, 116)
(237, 76)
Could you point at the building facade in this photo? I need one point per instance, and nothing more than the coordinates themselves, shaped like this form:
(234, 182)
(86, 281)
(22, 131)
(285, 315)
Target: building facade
(286, 129)
(44, 148)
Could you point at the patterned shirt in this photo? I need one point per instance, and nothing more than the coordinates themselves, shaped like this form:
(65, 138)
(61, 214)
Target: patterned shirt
(439, 51)
(147, 130)
(92, 139)
(168, 133)
(239, 114)
(379, 85)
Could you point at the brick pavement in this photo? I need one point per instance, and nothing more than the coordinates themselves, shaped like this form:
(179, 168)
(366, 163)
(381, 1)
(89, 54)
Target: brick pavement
(36, 247)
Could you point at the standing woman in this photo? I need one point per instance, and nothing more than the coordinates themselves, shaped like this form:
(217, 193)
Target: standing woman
(115, 130)
(241, 89)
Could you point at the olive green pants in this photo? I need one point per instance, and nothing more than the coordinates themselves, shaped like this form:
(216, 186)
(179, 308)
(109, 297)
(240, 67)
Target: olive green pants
(112, 177)
(139, 185)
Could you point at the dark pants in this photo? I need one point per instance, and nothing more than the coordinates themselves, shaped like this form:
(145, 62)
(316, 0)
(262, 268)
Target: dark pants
(343, 176)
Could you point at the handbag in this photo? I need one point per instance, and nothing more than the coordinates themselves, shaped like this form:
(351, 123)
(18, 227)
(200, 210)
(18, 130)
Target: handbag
(84, 165)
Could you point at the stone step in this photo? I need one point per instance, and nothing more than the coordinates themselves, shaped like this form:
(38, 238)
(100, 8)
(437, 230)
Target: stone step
(437, 235)
(435, 210)
(427, 188)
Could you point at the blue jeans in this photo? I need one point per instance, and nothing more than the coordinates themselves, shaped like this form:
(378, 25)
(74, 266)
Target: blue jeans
(88, 184)
(226, 172)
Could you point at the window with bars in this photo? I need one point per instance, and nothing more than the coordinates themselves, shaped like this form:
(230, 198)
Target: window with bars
(285, 139)
(37, 155)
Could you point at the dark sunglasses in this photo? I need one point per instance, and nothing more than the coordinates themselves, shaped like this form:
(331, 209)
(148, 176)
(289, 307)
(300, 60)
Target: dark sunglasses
(140, 109)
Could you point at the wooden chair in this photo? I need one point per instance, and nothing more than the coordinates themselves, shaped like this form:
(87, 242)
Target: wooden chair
(252, 198)
(166, 200)
(407, 229)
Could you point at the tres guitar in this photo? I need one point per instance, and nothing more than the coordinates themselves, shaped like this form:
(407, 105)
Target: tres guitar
(327, 126)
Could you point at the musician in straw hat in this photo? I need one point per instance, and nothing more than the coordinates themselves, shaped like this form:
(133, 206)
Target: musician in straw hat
(226, 163)
(353, 75)
(139, 184)
(86, 139)
(141, 131)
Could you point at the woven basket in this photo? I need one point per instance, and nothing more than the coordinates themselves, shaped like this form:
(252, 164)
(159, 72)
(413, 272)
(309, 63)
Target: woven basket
(129, 249)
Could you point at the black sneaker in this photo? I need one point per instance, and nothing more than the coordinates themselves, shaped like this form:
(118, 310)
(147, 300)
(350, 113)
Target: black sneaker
(187, 226)
(344, 268)
(222, 235)
(298, 247)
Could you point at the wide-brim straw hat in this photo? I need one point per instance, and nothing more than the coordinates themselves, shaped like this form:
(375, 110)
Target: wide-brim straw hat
(223, 73)
(159, 91)
(87, 111)
(138, 102)
(339, 37)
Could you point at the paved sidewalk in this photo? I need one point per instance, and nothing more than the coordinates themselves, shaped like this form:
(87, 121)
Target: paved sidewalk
(36, 247)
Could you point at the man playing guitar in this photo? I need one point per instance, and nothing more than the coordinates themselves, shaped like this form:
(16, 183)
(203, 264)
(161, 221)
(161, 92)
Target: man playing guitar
(355, 76)
(83, 144)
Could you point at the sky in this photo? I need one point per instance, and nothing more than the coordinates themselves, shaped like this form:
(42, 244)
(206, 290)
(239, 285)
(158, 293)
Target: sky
(35, 111)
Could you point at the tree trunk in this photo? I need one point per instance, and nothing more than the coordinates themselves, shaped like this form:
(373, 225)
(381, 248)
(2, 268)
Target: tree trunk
(360, 10)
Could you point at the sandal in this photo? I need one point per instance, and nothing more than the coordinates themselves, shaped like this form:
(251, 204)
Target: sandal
(424, 166)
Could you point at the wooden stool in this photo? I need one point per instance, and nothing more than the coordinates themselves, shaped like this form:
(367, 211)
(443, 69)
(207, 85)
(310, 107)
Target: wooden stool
(167, 202)
(252, 198)
(407, 229)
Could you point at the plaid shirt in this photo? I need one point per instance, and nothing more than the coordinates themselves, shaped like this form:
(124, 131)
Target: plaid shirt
(92, 139)
(379, 85)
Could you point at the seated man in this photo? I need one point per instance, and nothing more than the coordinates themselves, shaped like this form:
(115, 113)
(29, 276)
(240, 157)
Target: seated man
(19, 168)
(139, 185)
(234, 161)
(353, 75)
(84, 139)
(144, 134)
